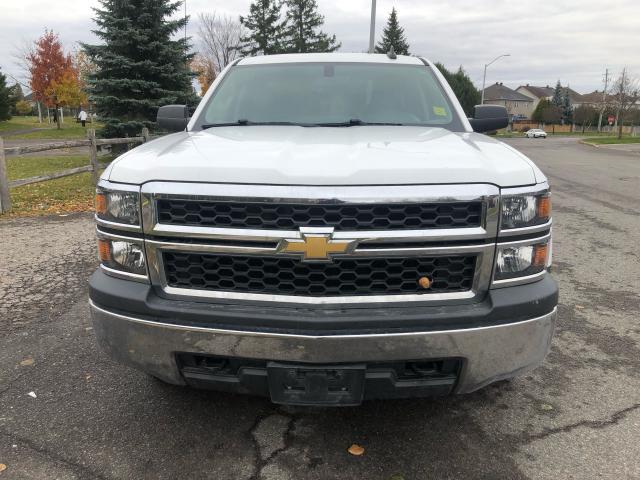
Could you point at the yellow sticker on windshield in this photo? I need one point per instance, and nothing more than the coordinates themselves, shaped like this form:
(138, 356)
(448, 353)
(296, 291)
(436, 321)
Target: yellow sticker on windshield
(440, 111)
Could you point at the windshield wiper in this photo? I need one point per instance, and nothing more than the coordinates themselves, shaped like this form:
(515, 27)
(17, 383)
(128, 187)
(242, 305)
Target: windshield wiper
(355, 122)
(351, 123)
(244, 122)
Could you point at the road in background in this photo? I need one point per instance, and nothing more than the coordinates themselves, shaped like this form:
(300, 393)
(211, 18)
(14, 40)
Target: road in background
(575, 417)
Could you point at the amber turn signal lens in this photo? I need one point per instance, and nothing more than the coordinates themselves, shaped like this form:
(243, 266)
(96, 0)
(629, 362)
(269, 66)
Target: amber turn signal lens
(540, 255)
(101, 203)
(544, 207)
(104, 250)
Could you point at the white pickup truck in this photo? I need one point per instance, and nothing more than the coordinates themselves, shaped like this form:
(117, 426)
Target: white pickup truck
(325, 229)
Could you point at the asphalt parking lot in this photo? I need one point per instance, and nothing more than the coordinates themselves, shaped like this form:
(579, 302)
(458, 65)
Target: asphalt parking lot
(576, 417)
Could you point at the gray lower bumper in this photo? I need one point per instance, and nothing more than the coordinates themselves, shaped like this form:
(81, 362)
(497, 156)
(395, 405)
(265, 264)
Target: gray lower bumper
(490, 353)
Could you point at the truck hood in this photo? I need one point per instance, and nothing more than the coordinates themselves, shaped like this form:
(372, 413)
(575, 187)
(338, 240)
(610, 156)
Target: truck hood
(358, 155)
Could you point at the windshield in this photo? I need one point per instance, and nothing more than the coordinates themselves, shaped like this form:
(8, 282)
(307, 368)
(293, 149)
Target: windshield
(330, 94)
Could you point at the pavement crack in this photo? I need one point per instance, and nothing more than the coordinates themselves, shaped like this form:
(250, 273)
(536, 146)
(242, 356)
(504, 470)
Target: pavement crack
(614, 419)
(82, 471)
(261, 461)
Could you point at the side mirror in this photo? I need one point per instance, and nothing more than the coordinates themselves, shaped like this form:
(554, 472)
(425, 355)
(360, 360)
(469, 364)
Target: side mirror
(487, 118)
(173, 117)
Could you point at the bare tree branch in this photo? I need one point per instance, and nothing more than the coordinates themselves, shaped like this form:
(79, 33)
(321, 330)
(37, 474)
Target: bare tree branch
(21, 51)
(219, 39)
(625, 93)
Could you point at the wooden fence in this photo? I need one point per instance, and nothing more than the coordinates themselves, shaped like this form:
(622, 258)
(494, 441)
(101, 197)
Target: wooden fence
(92, 142)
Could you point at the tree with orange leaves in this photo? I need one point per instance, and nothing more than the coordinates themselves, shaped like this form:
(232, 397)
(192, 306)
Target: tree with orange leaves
(53, 78)
(205, 70)
(66, 91)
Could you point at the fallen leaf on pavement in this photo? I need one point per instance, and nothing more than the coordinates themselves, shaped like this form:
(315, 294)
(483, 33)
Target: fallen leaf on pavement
(27, 362)
(546, 406)
(355, 450)
(3, 467)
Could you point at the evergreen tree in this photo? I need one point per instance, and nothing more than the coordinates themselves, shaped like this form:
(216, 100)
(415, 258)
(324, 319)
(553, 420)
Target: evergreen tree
(302, 31)
(557, 95)
(139, 67)
(468, 95)
(5, 101)
(15, 95)
(393, 36)
(567, 108)
(538, 113)
(265, 30)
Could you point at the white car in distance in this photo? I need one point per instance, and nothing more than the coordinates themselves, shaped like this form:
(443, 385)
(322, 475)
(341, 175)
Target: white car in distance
(535, 133)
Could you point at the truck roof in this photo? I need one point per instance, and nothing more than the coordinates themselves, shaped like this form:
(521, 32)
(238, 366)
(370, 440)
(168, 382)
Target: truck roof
(330, 57)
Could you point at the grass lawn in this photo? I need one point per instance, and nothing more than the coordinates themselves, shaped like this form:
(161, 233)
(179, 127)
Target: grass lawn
(611, 140)
(24, 167)
(18, 123)
(62, 195)
(70, 129)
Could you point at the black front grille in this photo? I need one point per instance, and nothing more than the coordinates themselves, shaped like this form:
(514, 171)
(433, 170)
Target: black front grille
(283, 216)
(344, 276)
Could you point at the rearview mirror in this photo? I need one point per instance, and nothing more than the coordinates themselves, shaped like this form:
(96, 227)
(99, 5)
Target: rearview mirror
(487, 118)
(173, 117)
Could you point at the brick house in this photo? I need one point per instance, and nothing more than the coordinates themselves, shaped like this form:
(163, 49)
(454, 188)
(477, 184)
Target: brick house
(517, 104)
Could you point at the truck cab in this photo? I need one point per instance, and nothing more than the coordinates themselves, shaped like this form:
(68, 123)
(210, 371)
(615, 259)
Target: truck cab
(326, 229)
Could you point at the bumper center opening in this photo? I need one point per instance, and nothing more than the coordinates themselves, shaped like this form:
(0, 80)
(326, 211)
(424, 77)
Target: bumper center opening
(312, 384)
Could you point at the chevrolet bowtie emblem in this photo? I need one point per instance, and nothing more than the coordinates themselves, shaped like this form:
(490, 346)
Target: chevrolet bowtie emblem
(315, 245)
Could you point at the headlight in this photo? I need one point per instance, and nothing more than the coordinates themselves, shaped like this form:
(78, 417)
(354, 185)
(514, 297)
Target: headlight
(525, 209)
(118, 206)
(522, 260)
(122, 255)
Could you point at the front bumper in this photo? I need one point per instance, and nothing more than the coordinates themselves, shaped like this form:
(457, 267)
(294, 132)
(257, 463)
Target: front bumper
(488, 352)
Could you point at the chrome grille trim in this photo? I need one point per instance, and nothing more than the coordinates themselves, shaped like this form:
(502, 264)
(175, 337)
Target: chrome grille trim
(487, 194)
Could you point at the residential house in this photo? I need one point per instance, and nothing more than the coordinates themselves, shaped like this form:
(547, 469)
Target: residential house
(538, 93)
(517, 104)
(597, 99)
(535, 93)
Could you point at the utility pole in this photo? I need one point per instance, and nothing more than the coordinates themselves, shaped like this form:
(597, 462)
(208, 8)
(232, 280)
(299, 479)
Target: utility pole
(621, 100)
(604, 99)
(372, 28)
(484, 77)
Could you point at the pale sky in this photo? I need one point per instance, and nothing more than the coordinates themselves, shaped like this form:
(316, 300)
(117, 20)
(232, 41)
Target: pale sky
(570, 40)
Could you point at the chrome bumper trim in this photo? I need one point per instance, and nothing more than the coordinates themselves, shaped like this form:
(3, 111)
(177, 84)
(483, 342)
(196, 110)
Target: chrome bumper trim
(491, 353)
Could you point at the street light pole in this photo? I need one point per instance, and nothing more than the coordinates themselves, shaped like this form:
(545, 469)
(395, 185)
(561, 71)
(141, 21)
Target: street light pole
(372, 28)
(484, 77)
